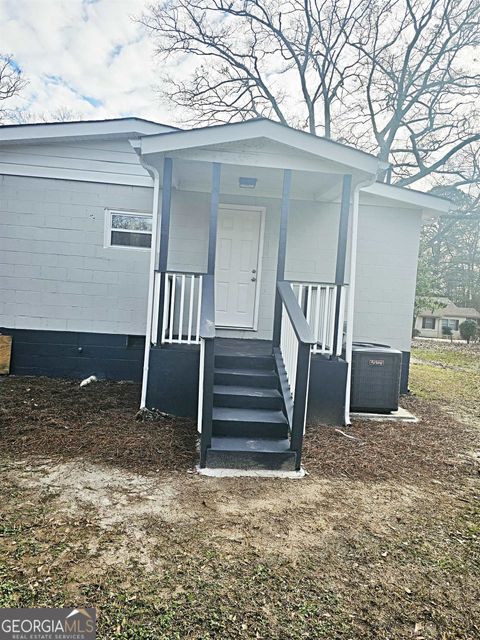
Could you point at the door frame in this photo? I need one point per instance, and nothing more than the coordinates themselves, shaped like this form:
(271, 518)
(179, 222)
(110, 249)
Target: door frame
(261, 237)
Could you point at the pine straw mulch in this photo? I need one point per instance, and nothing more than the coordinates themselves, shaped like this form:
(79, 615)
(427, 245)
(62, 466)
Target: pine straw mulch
(435, 447)
(56, 418)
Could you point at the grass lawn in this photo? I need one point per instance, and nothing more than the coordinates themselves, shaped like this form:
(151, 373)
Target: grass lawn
(381, 540)
(448, 373)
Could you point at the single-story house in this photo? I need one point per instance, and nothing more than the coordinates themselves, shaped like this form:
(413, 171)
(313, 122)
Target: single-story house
(228, 268)
(431, 323)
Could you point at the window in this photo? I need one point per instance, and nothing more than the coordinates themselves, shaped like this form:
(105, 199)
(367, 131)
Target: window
(428, 322)
(450, 323)
(128, 229)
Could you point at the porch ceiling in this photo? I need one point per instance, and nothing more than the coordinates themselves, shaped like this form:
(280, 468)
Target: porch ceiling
(189, 175)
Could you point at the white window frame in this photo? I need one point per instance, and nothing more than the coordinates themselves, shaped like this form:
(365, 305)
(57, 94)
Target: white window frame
(107, 238)
(451, 323)
(429, 319)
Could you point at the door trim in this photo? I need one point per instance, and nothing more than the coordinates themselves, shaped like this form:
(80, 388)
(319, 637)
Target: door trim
(261, 236)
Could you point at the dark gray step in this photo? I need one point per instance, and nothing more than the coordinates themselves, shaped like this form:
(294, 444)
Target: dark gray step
(247, 397)
(229, 361)
(252, 454)
(246, 377)
(249, 423)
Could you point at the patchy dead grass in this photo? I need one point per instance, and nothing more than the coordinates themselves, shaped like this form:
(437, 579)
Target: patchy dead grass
(380, 541)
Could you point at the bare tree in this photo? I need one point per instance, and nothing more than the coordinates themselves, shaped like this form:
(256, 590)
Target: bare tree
(11, 82)
(288, 60)
(419, 108)
(450, 248)
(60, 114)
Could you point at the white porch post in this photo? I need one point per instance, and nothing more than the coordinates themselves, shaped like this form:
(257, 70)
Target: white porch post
(351, 292)
(351, 301)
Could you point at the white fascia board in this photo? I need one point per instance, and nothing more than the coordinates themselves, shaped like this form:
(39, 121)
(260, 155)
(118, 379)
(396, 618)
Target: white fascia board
(431, 205)
(221, 134)
(122, 127)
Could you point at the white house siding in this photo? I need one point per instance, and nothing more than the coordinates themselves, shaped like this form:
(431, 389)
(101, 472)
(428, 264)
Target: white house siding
(54, 270)
(107, 160)
(388, 243)
(56, 274)
(311, 245)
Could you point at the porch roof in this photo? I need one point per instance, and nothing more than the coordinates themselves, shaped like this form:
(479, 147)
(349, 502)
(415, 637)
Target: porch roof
(260, 142)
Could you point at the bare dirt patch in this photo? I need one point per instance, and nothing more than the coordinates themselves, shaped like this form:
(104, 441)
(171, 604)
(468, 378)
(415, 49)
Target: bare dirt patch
(380, 541)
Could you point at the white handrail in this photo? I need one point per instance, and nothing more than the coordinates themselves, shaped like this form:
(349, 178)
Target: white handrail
(317, 301)
(289, 349)
(181, 308)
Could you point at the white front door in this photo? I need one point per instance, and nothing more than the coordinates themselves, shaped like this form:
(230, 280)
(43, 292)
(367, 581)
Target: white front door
(237, 267)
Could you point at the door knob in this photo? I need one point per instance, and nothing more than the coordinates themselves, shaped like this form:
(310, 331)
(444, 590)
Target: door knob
(254, 271)
(253, 279)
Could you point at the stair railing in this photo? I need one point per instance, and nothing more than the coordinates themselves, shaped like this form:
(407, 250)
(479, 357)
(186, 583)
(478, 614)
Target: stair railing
(206, 365)
(182, 300)
(318, 301)
(296, 340)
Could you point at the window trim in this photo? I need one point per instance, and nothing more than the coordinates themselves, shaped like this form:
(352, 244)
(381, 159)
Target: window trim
(446, 323)
(107, 234)
(428, 318)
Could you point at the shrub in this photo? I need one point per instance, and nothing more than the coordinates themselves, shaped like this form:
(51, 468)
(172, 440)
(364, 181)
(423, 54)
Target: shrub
(468, 330)
(447, 332)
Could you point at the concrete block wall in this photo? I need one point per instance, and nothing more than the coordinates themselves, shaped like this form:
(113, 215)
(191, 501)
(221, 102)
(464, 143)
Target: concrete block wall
(388, 244)
(55, 273)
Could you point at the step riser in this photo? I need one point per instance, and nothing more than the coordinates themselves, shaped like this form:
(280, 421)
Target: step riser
(265, 363)
(247, 402)
(246, 380)
(238, 429)
(285, 461)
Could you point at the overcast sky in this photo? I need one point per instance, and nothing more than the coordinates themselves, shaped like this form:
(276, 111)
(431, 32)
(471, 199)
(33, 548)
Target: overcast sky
(85, 55)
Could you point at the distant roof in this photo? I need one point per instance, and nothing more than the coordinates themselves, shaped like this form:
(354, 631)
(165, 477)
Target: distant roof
(450, 310)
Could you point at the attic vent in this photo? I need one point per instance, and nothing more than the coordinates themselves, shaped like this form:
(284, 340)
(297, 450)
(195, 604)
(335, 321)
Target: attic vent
(247, 183)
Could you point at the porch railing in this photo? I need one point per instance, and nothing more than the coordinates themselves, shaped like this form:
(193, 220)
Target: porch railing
(182, 301)
(318, 303)
(296, 340)
(206, 365)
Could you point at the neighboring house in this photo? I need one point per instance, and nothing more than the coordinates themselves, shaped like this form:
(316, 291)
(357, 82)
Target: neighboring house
(431, 322)
(250, 255)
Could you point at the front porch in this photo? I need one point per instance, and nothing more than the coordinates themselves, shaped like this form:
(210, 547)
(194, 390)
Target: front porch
(256, 337)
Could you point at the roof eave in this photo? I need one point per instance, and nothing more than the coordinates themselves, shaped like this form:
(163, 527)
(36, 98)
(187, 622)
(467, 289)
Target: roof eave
(209, 136)
(55, 131)
(431, 206)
